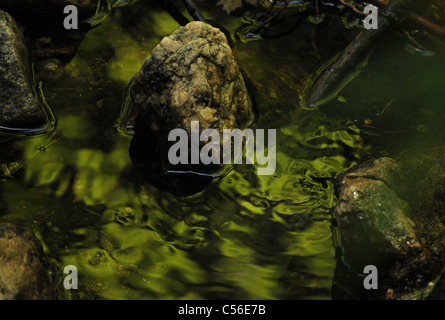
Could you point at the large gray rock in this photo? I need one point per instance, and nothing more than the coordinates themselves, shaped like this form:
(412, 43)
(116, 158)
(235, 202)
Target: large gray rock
(390, 215)
(23, 266)
(19, 107)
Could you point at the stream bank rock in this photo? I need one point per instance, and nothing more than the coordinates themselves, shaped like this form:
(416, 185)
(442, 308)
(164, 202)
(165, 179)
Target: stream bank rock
(18, 105)
(23, 266)
(192, 75)
(390, 215)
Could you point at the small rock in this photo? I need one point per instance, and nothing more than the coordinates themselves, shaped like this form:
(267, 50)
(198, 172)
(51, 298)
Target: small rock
(23, 266)
(19, 107)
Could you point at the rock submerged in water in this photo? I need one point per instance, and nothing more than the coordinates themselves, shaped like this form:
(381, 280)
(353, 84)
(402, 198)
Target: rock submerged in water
(19, 108)
(192, 75)
(390, 215)
(23, 266)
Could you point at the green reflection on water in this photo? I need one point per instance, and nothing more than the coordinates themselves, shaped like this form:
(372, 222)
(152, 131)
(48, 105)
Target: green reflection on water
(245, 237)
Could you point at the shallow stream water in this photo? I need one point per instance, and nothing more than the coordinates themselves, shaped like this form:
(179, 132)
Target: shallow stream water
(246, 236)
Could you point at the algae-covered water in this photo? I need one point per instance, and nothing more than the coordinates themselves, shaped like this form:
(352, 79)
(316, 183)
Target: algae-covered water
(246, 236)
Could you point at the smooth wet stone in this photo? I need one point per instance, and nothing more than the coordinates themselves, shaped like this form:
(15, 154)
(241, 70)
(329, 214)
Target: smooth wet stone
(390, 215)
(19, 108)
(191, 75)
(23, 266)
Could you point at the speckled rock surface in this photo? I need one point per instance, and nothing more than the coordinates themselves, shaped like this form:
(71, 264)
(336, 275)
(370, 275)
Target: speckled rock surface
(23, 266)
(19, 107)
